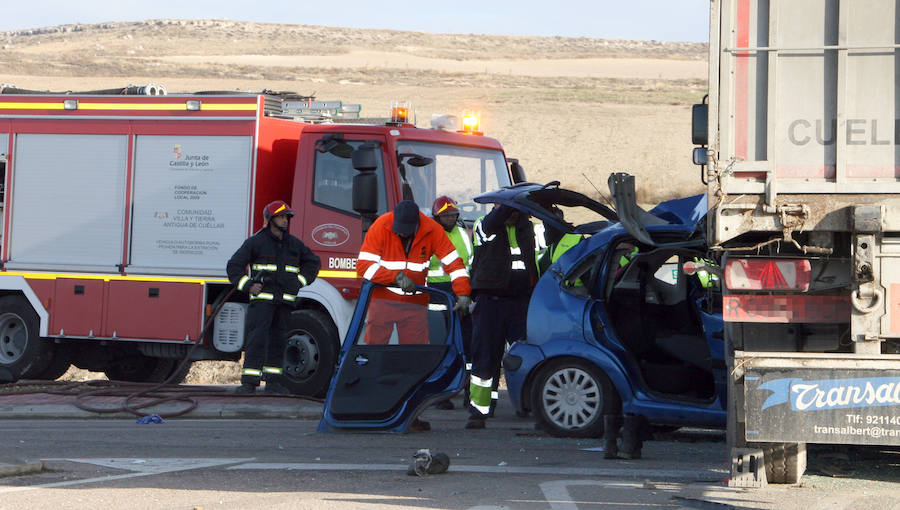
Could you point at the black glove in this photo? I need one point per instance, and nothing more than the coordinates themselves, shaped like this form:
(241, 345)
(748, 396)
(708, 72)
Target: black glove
(405, 282)
(462, 305)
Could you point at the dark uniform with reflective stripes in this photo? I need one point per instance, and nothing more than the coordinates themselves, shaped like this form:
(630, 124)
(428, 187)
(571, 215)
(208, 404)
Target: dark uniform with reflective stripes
(504, 273)
(283, 266)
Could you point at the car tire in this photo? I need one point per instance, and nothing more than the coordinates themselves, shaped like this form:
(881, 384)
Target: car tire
(23, 353)
(310, 353)
(570, 397)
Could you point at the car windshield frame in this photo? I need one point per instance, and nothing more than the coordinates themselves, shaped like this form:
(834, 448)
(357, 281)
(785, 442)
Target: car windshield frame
(457, 171)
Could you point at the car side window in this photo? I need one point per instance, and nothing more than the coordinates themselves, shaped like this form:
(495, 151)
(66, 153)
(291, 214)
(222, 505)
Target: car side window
(333, 180)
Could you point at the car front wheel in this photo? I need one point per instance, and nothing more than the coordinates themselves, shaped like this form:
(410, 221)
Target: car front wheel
(570, 397)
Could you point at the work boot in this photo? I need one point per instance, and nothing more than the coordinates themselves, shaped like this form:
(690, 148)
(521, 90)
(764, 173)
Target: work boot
(245, 389)
(631, 437)
(445, 405)
(475, 423)
(274, 388)
(418, 425)
(610, 435)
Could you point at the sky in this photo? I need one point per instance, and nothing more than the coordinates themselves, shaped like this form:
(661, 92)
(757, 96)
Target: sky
(661, 20)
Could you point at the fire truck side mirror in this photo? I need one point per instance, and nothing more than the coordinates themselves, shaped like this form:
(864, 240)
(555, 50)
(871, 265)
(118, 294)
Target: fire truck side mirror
(518, 173)
(365, 157)
(365, 197)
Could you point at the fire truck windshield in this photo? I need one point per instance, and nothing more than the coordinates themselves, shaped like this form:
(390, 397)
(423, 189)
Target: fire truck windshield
(458, 172)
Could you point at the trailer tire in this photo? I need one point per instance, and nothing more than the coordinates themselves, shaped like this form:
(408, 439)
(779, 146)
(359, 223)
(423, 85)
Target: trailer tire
(785, 462)
(23, 353)
(140, 368)
(310, 353)
(570, 397)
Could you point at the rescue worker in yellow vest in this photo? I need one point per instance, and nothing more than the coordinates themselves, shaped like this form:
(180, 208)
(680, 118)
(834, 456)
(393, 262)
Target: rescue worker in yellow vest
(504, 272)
(445, 211)
(280, 265)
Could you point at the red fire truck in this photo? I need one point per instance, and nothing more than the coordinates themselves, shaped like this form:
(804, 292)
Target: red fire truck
(120, 212)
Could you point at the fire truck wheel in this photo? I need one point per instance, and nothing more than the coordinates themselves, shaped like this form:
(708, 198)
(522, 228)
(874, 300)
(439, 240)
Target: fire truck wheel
(140, 368)
(310, 353)
(22, 352)
(58, 366)
(570, 397)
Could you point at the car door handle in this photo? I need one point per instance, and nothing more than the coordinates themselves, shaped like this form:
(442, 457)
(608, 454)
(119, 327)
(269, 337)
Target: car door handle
(361, 360)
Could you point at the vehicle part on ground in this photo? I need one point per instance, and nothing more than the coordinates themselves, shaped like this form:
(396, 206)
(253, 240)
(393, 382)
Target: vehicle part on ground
(310, 353)
(22, 351)
(571, 396)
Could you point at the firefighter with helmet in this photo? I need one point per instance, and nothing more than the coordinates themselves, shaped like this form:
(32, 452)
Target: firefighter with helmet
(280, 265)
(445, 211)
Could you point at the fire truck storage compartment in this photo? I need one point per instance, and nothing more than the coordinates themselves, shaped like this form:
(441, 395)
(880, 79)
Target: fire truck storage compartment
(68, 196)
(77, 307)
(154, 310)
(191, 202)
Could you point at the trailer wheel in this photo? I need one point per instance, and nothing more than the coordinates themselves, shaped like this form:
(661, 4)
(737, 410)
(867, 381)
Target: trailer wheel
(570, 397)
(139, 368)
(785, 462)
(310, 353)
(23, 353)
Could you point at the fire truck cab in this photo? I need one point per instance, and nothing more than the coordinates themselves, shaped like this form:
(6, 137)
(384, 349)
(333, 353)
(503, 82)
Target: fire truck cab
(120, 212)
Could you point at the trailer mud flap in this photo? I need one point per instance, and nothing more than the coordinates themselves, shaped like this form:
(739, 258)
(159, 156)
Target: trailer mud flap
(852, 406)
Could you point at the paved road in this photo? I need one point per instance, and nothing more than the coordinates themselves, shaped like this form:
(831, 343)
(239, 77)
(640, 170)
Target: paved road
(284, 463)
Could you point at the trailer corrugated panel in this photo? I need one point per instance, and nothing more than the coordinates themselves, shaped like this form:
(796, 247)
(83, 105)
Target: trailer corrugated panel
(811, 105)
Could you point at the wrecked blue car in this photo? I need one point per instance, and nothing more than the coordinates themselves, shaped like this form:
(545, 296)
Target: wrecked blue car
(616, 324)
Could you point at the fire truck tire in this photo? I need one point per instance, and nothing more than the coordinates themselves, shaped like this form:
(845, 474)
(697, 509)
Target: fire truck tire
(570, 397)
(140, 368)
(23, 353)
(785, 462)
(178, 376)
(310, 353)
(58, 366)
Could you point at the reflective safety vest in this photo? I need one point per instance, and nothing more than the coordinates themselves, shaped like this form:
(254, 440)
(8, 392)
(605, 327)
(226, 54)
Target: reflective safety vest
(707, 280)
(460, 239)
(382, 256)
(566, 242)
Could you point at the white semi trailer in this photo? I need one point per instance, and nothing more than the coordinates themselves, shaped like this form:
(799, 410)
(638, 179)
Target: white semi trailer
(800, 147)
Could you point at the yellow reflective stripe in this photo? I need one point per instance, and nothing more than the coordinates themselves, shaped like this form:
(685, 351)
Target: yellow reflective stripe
(264, 267)
(31, 106)
(243, 281)
(289, 297)
(291, 269)
(272, 370)
(251, 371)
(264, 295)
(302, 280)
(108, 277)
(182, 106)
(337, 274)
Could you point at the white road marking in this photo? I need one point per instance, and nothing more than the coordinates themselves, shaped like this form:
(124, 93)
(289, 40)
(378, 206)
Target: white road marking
(139, 467)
